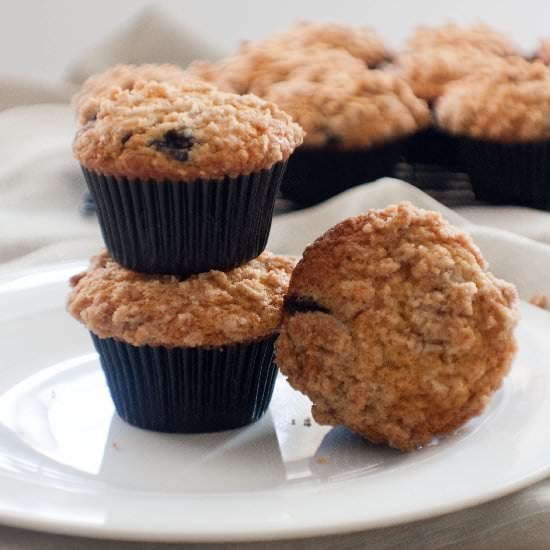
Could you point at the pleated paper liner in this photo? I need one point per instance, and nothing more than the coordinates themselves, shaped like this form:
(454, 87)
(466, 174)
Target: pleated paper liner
(184, 228)
(509, 173)
(189, 390)
(316, 174)
(434, 147)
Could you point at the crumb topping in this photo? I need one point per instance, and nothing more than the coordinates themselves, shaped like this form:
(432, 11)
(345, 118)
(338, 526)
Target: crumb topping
(360, 42)
(430, 71)
(209, 309)
(510, 103)
(479, 36)
(125, 77)
(154, 131)
(353, 112)
(410, 334)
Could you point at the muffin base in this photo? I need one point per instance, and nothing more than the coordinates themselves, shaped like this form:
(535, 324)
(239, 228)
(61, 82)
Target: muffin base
(314, 175)
(183, 228)
(508, 173)
(189, 390)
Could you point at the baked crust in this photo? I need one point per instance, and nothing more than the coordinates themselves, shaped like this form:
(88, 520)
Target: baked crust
(154, 131)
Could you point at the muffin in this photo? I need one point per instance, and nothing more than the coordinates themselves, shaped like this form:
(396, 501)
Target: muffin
(184, 182)
(185, 355)
(355, 128)
(394, 328)
(501, 119)
(435, 57)
(125, 77)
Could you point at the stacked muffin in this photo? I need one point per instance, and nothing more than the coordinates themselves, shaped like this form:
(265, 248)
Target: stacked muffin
(184, 306)
(329, 78)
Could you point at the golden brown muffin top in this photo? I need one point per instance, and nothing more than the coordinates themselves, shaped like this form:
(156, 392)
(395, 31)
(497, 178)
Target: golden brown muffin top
(360, 42)
(394, 327)
(479, 36)
(126, 76)
(209, 309)
(430, 71)
(257, 68)
(352, 112)
(154, 131)
(510, 103)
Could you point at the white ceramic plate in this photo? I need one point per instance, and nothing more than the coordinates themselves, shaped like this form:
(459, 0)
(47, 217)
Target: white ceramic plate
(68, 465)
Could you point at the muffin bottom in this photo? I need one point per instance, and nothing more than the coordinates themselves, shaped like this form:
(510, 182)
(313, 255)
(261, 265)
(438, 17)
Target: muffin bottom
(508, 173)
(316, 174)
(189, 390)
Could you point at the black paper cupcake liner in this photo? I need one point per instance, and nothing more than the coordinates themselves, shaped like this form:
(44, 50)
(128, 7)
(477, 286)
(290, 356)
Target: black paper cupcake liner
(432, 146)
(184, 228)
(189, 390)
(509, 173)
(316, 174)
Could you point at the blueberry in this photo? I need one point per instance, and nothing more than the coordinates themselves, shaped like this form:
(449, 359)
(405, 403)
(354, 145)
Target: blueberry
(174, 144)
(125, 137)
(301, 304)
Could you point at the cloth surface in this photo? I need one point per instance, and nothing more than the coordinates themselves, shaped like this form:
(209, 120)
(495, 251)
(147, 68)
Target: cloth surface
(41, 189)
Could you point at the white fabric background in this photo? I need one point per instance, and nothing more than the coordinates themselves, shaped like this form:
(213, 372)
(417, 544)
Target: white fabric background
(40, 191)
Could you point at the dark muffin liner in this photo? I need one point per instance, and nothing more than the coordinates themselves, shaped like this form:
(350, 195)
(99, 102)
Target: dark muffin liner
(189, 390)
(503, 173)
(184, 228)
(316, 174)
(434, 147)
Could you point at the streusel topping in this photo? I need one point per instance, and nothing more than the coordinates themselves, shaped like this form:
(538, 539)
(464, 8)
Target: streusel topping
(154, 131)
(209, 309)
(510, 103)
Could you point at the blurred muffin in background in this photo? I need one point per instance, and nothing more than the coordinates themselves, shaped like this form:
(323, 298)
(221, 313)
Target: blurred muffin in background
(355, 126)
(125, 78)
(501, 118)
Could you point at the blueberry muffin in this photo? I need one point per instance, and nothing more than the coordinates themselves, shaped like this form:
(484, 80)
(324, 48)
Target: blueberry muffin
(184, 182)
(394, 327)
(355, 127)
(432, 59)
(125, 77)
(185, 355)
(502, 121)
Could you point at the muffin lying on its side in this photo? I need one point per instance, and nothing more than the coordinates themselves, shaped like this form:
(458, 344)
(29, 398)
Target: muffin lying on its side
(185, 355)
(394, 328)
